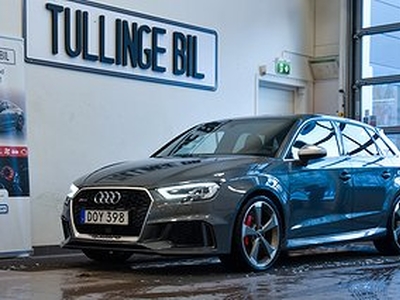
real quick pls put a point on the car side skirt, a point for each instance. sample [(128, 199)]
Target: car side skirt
[(368, 234)]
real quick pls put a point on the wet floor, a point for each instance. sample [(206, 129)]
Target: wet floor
[(356, 272)]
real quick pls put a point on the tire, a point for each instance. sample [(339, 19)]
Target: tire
[(390, 244), (257, 236), (111, 256)]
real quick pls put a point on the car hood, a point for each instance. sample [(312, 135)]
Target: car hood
[(155, 172)]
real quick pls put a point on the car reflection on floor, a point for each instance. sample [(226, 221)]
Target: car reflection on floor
[(356, 272)]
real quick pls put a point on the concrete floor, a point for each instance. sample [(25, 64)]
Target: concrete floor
[(356, 272)]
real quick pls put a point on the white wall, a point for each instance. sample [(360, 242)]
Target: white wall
[(327, 98), (79, 121)]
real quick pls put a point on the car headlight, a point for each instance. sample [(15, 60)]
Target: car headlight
[(190, 191), (73, 189)]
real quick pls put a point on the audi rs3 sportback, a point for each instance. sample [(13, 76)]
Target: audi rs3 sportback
[(244, 190)]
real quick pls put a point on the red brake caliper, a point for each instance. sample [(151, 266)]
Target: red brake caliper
[(248, 222)]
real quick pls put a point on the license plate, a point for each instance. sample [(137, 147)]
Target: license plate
[(105, 217)]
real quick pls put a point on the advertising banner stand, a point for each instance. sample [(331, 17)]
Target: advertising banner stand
[(15, 221)]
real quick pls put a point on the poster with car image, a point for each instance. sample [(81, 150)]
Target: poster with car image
[(14, 171), (12, 96)]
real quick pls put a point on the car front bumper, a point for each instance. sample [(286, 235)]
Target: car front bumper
[(168, 228)]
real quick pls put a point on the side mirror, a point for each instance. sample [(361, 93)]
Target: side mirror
[(309, 152)]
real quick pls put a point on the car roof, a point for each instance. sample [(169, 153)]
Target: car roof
[(300, 117), (295, 117)]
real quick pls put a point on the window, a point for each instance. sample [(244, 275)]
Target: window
[(252, 137), (318, 133), (385, 146), (201, 144), (248, 143), (380, 12), (357, 141), (376, 72)]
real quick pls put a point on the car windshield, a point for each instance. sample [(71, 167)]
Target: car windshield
[(249, 137)]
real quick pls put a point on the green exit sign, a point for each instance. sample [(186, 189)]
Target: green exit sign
[(282, 67)]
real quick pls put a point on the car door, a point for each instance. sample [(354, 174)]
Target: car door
[(321, 190), (371, 173)]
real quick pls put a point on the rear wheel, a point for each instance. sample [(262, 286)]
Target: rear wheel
[(390, 244), (115, 256), (257, 236)]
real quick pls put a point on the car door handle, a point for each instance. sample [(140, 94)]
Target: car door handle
[(345, 176), (386, 175)]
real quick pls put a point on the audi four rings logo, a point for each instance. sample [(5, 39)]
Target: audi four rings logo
[(108, 197)]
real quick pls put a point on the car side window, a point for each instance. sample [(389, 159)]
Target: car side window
[(318, 133), (381, 144), (357, 141)]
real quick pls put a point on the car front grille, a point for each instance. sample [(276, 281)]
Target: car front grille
[(136, 201)]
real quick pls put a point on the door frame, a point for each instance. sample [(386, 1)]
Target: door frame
[(298, 87)]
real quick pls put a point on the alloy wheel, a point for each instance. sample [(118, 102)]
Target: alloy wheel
[(260, 234)]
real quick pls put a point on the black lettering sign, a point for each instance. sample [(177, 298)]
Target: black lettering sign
[(78, 36), (157, 50), (144, 54), (55, 10), (134, 44), (102, 43), (130, 39), (129, 44), (86, 55), (184, 51)]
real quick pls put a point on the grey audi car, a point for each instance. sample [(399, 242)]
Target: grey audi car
[(244, 190)]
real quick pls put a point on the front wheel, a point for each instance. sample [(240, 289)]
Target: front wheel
[(257, 238), (113, 256), (390, 244)]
